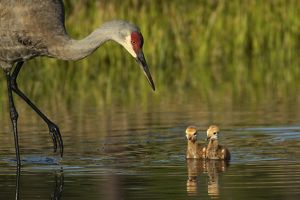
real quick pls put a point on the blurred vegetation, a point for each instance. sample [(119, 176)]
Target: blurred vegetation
[(212, 49)]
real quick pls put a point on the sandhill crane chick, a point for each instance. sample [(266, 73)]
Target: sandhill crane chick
[(214, 150), (194, 149)]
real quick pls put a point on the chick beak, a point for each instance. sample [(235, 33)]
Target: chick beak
[(143, 64)]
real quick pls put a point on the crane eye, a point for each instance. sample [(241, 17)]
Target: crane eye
[(133, 42), (215, 133)]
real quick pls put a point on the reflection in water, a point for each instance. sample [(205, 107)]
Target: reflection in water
[(17, 182), (58, 187), (196, 167), (113, 187)]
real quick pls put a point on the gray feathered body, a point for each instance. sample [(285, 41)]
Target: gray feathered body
[(30, 28), (27, 29)]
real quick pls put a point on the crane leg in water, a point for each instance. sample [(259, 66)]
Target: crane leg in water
[(13, 116), (53, 128)]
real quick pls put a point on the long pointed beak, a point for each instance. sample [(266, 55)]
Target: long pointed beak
[(143, 64)]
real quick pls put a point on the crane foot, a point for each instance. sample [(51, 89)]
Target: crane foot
[(56, 138)]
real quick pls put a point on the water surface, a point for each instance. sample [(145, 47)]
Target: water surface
[(138, 152)]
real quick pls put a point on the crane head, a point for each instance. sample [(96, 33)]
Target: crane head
[(137, 42), (133, 43)]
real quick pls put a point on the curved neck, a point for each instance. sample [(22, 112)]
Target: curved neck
[(191, 142), (213, 144), (67, 48)]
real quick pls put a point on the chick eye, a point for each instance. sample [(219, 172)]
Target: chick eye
[(215, 133)]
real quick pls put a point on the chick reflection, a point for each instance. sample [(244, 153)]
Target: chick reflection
[(212, 168)]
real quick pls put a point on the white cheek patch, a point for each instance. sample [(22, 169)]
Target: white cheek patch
[(127, 45), (214, 137)]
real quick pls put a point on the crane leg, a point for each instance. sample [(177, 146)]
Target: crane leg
[(53, 128), (13, 116)]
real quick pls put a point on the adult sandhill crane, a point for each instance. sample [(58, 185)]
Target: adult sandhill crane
[(32, 28)]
